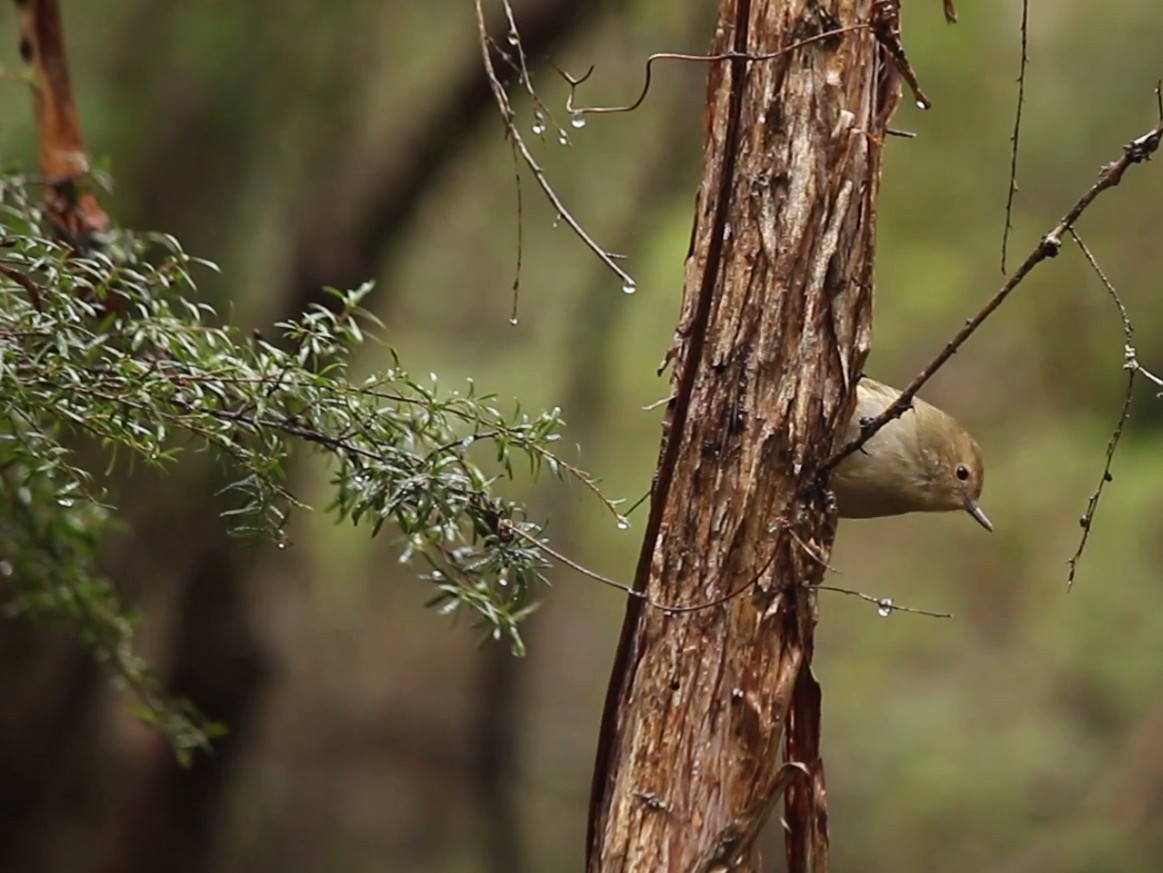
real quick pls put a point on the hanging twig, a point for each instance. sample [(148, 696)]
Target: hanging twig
[(508, 117), (1133, 368), (1014, 137)]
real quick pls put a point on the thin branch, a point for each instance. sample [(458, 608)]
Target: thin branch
[(886, 35), (575, 81), (521, 67), (520, 237), (1136, 151), (1133, 368), (508, 116), (885, 606), (1130, 353), (508, 529), (1014, 137)]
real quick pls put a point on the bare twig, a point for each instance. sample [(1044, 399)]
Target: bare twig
[(1133, 368), (575, 81), (1136, 151), (508, 117), (510, 529), (513, 319), (521, 67), (887, 32), (1130, 353), (1014, 137), (885, 606)]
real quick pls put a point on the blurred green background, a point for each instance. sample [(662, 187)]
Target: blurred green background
[(307, 143)]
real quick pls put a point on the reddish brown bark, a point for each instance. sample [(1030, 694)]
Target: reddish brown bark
[(75, 213), (775, 325)]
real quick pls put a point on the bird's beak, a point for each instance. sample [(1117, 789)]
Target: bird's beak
[(978, 515)]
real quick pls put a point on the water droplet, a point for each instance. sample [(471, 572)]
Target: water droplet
[(623, 523), (923, 104), (513, 320), (885, 607), (65, 502), (514, 37), (557, 220), (578, 121), (6, 568), (629, 287), (282, 545), (538, 123), (562, 138)]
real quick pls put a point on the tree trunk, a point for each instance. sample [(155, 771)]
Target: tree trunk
[(775, 327)]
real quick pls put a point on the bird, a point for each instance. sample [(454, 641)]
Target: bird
[(922, 461)]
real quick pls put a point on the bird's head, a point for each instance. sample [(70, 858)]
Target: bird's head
[(949, 469)]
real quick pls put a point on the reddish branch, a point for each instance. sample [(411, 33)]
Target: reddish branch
[(74, 212)]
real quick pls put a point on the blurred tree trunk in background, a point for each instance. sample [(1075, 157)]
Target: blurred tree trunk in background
[(174, 820), (51, 729), (775, 325)]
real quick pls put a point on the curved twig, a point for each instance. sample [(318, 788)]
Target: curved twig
[(574, 82), (1133, 368)]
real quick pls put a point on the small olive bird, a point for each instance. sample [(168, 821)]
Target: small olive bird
[(923, 461)]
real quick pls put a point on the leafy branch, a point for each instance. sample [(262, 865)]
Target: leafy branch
[(157, 375)]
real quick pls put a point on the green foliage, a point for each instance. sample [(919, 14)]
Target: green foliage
[(112, 348)]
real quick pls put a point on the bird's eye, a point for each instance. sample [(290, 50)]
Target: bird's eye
[(962, 472)]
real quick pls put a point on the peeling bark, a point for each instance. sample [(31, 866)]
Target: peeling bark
[(705, 705)]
